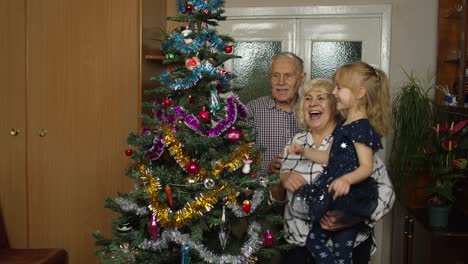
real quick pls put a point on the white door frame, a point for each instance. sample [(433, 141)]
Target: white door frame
[(382, 229), (383, 12)]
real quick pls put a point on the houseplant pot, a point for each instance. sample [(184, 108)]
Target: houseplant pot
[(438, 216), (412, 116)]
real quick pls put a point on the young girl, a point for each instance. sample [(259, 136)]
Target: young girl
[(361, 92)]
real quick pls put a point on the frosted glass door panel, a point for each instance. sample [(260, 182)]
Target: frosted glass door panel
[(251, 70), (257, 40), (327, 43), (329, 55)]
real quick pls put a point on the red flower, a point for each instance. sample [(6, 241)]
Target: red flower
[(459, 163), (449, 144), (458, 127), (429, 150)]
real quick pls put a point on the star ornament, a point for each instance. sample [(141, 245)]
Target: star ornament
[(343, 145)]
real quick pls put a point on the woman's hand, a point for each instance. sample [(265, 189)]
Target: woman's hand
[(340, 187), (295, 149), (331, 221), (292, 181)]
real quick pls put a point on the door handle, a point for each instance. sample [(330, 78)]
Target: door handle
[(42, 132), (14, 132)]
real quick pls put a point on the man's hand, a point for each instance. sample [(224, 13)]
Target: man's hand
[(292, 181), (275, 164), (331, 221), (278, 192)]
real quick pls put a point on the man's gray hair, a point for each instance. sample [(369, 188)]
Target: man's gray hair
[(290, 55)]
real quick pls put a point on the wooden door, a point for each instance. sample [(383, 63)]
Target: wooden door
[(83, 69), (13, 120)]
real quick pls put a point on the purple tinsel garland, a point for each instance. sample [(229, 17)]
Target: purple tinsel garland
[(233, 108), (156, 150), (232, 105)]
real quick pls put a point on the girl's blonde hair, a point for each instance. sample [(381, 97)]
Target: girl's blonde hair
[(376, 84), (320, 85)]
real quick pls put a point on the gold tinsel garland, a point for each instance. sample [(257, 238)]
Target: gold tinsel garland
[(175, 148), (201, 204), (235, 160)]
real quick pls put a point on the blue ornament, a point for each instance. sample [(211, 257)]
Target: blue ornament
[(184, 251), (214, 101)]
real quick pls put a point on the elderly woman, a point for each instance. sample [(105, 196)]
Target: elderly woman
[(317, 114)]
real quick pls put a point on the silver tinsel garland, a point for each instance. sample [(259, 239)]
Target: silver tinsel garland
[(251, 246), (128, 205), (257, 199)]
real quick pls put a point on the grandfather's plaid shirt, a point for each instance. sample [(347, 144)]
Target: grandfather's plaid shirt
[(275, 127), (296, 225)]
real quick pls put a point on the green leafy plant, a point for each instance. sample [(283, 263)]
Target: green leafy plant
[(447, 158), (412, 115)]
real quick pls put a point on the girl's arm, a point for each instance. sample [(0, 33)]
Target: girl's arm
[(317, 156), (342, 184)]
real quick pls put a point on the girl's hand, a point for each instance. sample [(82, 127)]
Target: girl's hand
[(340, 187), (295, 149)]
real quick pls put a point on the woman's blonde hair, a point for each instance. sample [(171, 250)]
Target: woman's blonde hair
[(320, 85), (376, 84)]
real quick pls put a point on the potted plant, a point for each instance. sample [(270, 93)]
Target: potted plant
[(447, 159), (412, 115)]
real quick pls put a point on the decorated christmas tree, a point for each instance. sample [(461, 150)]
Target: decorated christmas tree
[(197, 197)]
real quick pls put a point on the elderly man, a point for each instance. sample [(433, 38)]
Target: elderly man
[(273, 116)]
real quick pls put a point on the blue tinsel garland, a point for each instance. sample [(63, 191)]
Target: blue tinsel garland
[(197, 73), (199, 4), (205, 36)]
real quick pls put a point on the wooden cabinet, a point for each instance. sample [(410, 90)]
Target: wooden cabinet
[(69, 96), (13, 180), (452, 49), (425, 244)]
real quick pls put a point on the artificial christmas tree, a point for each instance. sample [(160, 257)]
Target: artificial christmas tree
[(197, 197)]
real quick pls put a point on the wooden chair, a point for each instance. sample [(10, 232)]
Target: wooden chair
[(28, 255)]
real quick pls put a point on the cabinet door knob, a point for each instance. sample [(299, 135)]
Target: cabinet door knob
[(42, 132), (14, 132)]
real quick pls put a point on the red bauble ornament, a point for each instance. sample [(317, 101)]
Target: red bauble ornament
[(204, 115), (192, 63), (268, 241), (206, 11), (128, 152), (167, 102), (188, 7), (222, 71), (246, 205), (193, 168), (228, 49), (234, 134), (153, 227)]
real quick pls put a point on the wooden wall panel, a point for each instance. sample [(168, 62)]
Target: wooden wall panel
[(83, 88), (13, 116)]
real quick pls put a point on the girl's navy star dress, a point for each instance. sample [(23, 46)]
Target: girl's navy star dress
[(361, 200)]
